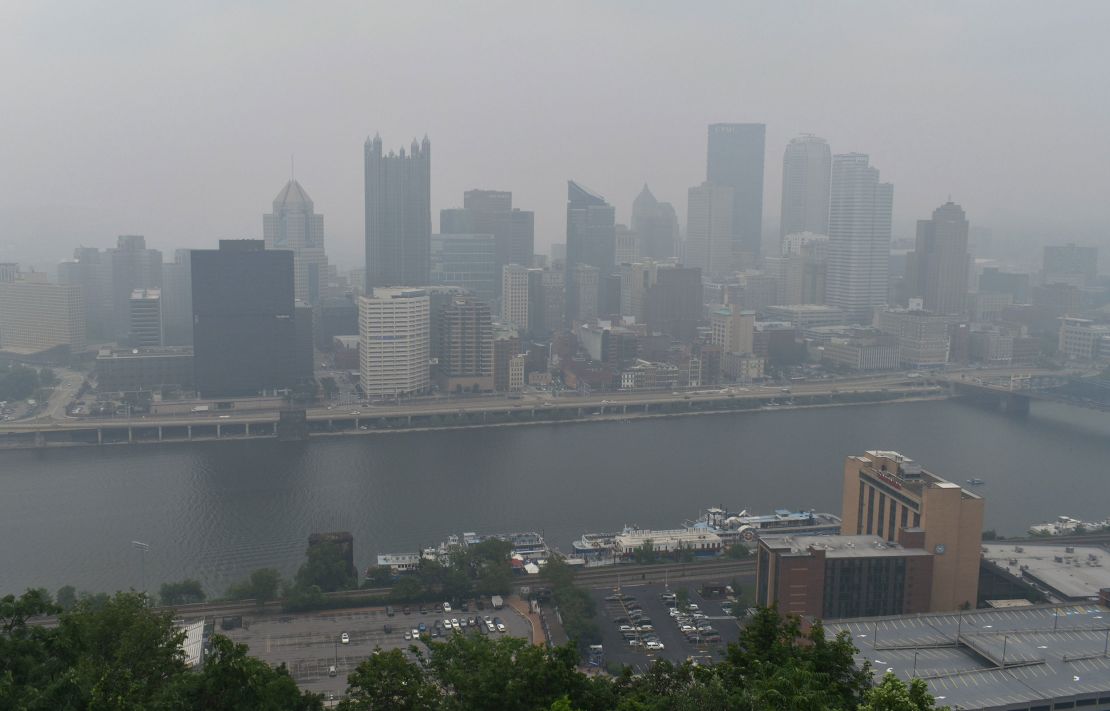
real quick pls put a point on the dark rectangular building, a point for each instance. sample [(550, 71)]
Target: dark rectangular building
[(674, 303), (244, 330), (833, 577)]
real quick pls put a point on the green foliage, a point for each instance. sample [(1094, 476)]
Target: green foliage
[(66, 597), (990, 535), (387, 680), (576, 607), (646, 553), (233, 681), (893, 695), (181, 593), (17, 382), (262, 586), (378, 577), (738, 551), (327, 568), (47, 378)]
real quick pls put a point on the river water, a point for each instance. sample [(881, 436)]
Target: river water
[(215, 511)]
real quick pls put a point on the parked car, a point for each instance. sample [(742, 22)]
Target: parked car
[(344, 638)]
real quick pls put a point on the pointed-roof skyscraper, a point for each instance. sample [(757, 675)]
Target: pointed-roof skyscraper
[(294, 225), (656, 225)]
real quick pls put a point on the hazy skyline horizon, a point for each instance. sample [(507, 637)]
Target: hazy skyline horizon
[(192, 143)]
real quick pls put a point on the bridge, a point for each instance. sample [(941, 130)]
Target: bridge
[(1014, 392)]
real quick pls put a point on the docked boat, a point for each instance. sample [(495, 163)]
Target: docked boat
[(975, 481), (733, 527), (1068, 526)]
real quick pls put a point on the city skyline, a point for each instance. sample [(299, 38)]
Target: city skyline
[(135, 166)]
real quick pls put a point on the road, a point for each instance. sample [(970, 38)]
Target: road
[(448, 405)]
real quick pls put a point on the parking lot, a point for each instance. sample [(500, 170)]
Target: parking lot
[(309, 644), (642, 606)]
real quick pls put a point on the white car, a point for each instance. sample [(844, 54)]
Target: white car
[(345, 638), (408, 635), (446, 607), (655, 646), (455, 623), (415, 634), (501, 627)]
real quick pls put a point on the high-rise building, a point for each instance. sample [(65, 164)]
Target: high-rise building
[(673, 303), (859, 237), (394, 349), (626, 245), (732, 329), (710, 239), (886, 493), (656, 224), (177, 300), (1070, 264), (133, 267), (8, 271), (37, 316), (145, 312), (294, 225), (806, 169), (492, 212), (923, 336), (465, 360), (244, 333), (514, 295), (591, 237), (585, 293), (802, 270), (398, 214), (466, 260), (552, 314), (735, 159), (506, 346), (91, 271), (937, 269)]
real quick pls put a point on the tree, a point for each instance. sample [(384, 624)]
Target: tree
[(646, 552), (234, 681), (387, 680), (262, 586), (380, 576), (738, 551), (407, 589), (66, 597), (118, 656), (47, 378), (185, 592), (326, 568), (893, 695)]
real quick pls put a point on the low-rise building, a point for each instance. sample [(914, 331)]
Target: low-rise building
[(923, 337), (667, 542), (805, 316), (1083, 339), (832, 577), (137, 369), (399, 562)]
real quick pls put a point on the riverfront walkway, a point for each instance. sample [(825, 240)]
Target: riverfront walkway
[(521, 608)]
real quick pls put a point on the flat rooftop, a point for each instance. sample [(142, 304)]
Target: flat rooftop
[(1073, 575), (1004, 659), (840, 546)]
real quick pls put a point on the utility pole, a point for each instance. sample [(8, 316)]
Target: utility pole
[(143, 549)]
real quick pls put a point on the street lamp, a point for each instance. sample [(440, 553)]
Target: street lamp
[(143, 549)]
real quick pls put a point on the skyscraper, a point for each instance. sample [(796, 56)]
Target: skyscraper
[(806, 169), (709, 233), (591, 240), (491, 212), (466, 260), (735, 159), (398, 214), (466, 346), (294, 225), (656, 225), (859, 237), (177, 300), (37, 316), (244, 334), (394, 333), (514, 295), (133, 267), (937, 269)]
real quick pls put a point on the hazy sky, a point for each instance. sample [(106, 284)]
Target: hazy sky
[(177, 120)]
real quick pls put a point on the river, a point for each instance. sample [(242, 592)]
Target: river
[(215, 511)]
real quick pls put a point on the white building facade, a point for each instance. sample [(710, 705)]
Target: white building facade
[(394, 342)]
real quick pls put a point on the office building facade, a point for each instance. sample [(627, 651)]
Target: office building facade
[(806, 171), (394, 342), (591, 241), (1070, 264), (710, 242), (37, 316), (244, 332), (938, 268), (465, 352), (294, 225), (397, 201), (859, 237), (515, 295), (886, 493), (656, 225), (468, 261), (735, 160), (145, 309)]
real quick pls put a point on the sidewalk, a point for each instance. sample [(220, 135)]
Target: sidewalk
[(521, 608)]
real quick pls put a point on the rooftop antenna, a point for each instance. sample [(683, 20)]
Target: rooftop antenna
[(292, 168)]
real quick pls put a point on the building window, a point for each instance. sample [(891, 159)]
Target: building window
[(870, 509)]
